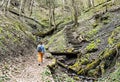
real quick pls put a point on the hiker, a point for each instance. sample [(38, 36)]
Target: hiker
[(41, 52)]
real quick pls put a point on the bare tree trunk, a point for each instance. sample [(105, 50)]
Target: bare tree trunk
[(92, 2), (89, 3), (51, 6), (113, 2), (23, 6), (53, 15), (20, 9), (31, 7), (3, 1), (75, 13), (106, 6), (50, 16), (7, 6)]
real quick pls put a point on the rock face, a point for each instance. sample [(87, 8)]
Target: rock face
[(97, 41)]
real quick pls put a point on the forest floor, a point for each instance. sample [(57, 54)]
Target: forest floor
[(27, 70)]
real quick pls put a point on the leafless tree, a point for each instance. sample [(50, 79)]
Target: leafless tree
[(75, 12)]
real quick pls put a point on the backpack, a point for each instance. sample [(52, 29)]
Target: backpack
[(39, 49)]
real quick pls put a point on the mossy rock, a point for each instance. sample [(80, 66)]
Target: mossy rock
[(57, 43), (95, 24), (89, 67), (91, 72), (76, 78), (76, 67), (109, 53), (105, 22), (84, 61), (91, 47)]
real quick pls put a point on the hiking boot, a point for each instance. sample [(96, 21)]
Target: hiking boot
[(38, 64)]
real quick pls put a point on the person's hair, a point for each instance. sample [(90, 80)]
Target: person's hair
[(41, 42)]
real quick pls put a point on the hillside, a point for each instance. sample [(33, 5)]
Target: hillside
[(82, 40)]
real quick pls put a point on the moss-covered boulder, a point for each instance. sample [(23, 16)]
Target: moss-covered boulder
[(57, 43)]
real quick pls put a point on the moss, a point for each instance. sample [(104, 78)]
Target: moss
[(113, 77), (118, 45), (92, 72), (110, 40), (1, 29), (109, 53), (87, 55), (76, 78), (57, 42), (89, 67), (91, 47), (98, 40), (105, 22), (76, 67), (54, 61), (95, 24), (92, 32), (84, 61), (102, 67)]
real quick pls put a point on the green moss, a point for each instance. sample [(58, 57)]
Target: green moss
[(87, 55), (109, 53), (76, 78), (92, 32), (118, 45), (57, 42), (98, 40), (84, 61), (89, 67), (95, 24), (92, 46), (105, 21), (70, 49), (102, 65), (113, 77), (1, 29), (111, 38), (76, 67), (92, 73)]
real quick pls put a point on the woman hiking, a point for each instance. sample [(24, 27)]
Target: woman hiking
[(41, 52)]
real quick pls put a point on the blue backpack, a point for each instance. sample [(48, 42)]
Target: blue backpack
[(39, 49)]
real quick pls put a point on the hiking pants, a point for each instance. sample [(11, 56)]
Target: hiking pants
[(40, 57)]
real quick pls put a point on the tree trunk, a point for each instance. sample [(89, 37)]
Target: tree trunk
[(89, 3), (2, 3), (20, 9), (31, 7), (50, 16), (75, 13)]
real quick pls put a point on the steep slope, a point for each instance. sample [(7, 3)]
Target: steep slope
[(16, 40), (98, 43)]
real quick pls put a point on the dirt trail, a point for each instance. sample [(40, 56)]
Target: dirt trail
[(31, 72)]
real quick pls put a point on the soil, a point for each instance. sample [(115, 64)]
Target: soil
[(26, 69)]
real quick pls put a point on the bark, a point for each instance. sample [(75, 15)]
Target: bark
[(2, 3), (89, 3), (75, 13), (31, 7), (20, 9), (51, 6)]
